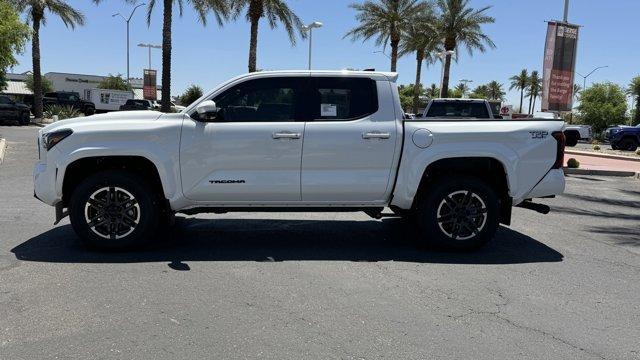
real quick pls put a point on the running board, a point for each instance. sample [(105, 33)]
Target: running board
[(541, 208)]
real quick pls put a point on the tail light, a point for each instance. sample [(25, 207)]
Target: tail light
[(561, 140)]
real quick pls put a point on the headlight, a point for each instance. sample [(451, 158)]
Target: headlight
[(50, 140)]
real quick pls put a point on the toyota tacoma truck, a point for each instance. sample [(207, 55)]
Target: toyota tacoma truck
[(623, 137), (296, 141)]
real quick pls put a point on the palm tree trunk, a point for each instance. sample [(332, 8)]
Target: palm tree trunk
[(637, 114), (37, 74), (255, 13), (533, 108), (416, 86), (521, 98), (166, 56), (253, 46), (530, 98), (444, 90), (394, 53)]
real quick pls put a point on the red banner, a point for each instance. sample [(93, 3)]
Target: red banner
[(149, 88), (559, 66)]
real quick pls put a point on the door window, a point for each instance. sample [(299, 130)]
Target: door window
[(342, 98), (261, 100)]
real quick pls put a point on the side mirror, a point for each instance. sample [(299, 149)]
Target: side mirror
[(207, 110)]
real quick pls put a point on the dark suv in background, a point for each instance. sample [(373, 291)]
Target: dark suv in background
[(138, 104), (13, 111), (623, 137), (64, 98)]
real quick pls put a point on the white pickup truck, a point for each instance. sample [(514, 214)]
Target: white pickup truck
[(296, 141)]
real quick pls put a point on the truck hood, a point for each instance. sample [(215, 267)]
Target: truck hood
[(113, 116)]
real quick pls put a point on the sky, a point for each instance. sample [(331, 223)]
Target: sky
[(207, 56)]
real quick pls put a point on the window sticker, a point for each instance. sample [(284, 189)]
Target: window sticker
[(330, 110)]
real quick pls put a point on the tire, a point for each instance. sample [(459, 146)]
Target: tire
[(628, 144), (478, 208), (572, 138), (126, 224), (89, 111), (24, 118)]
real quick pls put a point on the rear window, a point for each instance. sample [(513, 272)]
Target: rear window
[(342, 98), (458, 109)]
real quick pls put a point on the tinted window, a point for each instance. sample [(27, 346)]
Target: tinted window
[(261, 100), (458, 109), (342, 98)]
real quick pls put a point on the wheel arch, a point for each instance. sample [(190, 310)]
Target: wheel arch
[(488, 169), (81, 168)]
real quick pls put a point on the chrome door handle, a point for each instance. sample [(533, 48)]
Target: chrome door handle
[(375, 135), (285, 135)]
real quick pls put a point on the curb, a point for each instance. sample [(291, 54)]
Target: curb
[(3, 146), (38, 124), (606, 156), (571, 171)]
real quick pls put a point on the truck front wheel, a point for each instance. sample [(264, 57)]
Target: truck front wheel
[(458, 214), (113, 210)]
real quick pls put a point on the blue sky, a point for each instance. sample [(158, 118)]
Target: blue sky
[(209, 55)]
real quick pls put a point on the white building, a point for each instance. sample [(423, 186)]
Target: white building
[(80, 83)]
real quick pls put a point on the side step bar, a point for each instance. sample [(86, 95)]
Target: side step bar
[(541, 208)]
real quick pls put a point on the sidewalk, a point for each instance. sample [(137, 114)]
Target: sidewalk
[(600, 163)]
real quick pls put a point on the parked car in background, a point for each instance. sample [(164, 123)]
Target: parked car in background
[(108, 99), (65, 98), (623, 137), (574, 133), (297, 141), (138, 104), (479, 109), (11, 110)]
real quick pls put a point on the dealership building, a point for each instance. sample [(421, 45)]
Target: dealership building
[(80, 83)]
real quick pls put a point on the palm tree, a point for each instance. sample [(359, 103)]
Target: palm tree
[(385, 20), (534, 90), (480, 92), (634, 91), (432, 91), (36, 11), (494, 90), (220, 10), (459, 24), (520, 82), (462, 89), (275, 11), (419, 38)]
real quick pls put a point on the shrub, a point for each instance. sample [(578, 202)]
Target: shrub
[(596, 147), (595, 142), (638, 152), (63, 112), (573, 163), (193, 93)]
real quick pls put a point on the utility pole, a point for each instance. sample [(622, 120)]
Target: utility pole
[(127, 20), (566, 11)]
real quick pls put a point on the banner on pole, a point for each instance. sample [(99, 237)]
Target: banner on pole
[(559, 67), (149, 88)]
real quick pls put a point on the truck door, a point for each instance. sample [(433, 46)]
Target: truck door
[(350, 143), (252, 151)]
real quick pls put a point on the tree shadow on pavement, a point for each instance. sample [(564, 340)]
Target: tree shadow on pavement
[(623, 235), (286, 240)]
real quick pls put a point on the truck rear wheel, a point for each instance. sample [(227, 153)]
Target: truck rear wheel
[(458, 214), (628, 143), (113, 210), (89, 111), (572, 137)]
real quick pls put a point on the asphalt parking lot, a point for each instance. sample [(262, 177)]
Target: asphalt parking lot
[(280, 286)]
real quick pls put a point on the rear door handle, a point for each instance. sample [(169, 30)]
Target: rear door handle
[(285, 135), (375, 135)]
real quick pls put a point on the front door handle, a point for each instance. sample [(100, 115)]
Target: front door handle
[(375, 135), (285, 135)]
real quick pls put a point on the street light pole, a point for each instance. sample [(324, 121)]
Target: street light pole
[(566, 11), (310, 27), (150, 46), (127, 20), (584, 77)]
